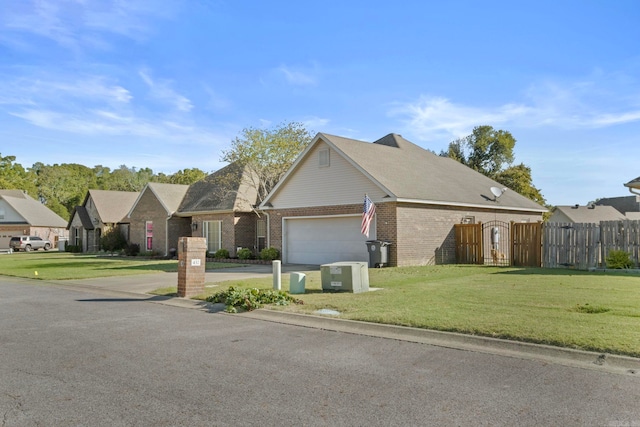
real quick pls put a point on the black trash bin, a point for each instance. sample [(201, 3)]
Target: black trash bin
[(378, 253)]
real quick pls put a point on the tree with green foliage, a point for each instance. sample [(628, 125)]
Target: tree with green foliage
[(268, 153), (63, 185), (486, 150), (490, 152), (186, 176), (14, 177)]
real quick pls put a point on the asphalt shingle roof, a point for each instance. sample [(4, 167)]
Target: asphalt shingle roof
[(410, 172), (35, 213), (224, 190), (113, 206), (634, 183), (593, 214), (170, 195)]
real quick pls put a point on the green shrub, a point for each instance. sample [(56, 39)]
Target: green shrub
[(113, 240), (269, 254), (245, 253), (132, 249), (221, 253), (619, 259), (250, 299), (72, 248)]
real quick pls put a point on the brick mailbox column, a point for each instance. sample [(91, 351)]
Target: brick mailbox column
[(191, 263)]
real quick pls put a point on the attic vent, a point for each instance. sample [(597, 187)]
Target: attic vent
[(323, 158)]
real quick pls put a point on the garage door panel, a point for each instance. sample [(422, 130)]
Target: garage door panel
[(325, 240)]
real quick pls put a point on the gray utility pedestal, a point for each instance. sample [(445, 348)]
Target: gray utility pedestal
[(349, 276), (378, 253)]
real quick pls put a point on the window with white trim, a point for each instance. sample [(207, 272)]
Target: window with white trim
[(212, 232), (323, 157)]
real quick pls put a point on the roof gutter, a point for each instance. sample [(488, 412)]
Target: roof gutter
[(634, 190), (188, 214), (464, 205)]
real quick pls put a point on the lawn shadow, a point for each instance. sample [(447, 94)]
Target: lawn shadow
[(532, 271)]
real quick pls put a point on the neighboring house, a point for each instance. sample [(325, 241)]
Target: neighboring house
[(624, 204), (100, 211), (153, 223), (315, 211), (21, 214), (634, 185), (591, 214), (221, 208)]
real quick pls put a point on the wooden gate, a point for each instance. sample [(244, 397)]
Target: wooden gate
[(468, 243), (499, 243), (526, 244)]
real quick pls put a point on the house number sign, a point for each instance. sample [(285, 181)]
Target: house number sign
[(195, 262)]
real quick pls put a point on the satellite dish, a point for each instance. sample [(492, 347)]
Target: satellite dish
[(497, 192)]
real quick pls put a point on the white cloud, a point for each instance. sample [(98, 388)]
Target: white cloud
[(437, 117), (315, 123), (162, 91), (298, 77), (77, 24), (581, 105)]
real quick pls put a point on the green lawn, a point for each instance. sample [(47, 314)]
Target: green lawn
[(63, 265), (590, 311)]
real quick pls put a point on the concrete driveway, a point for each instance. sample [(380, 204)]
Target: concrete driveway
[(145, 283)]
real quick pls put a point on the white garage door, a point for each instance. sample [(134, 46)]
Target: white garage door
[(325, 240)]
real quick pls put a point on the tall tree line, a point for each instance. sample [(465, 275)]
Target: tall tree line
[(62, 187)]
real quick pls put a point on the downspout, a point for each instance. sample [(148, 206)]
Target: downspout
[(268, 245), (166, 236), (635, 191)]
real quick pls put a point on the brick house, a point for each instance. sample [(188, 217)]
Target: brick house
[(100, 211), (20, 214), (221, 208), (153, 223), (315, 211)]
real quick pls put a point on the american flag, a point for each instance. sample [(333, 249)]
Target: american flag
[(367, 215)]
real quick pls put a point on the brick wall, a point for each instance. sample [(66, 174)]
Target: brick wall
[(419, 234), (149, 209), (426, 236)]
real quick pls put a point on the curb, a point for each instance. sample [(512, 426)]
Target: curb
[(604, 362), (557, 355)]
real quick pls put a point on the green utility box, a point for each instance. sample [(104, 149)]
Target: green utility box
[(350, 276), (297, 283)]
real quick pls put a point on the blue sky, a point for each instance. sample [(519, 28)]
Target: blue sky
[(168, 84)]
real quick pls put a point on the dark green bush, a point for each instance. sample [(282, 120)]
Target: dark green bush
[(269, 254), (113, 240), (73, 248), (619, 259), (221, 253), (132, 249), (245, 253)]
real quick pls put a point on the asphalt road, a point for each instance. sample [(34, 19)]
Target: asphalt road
[(91, 358)]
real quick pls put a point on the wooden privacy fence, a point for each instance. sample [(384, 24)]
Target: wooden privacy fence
[(571, 245), (576, 245), (583, 246)]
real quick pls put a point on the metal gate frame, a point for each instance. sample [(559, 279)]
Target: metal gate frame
[(496, 239)]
